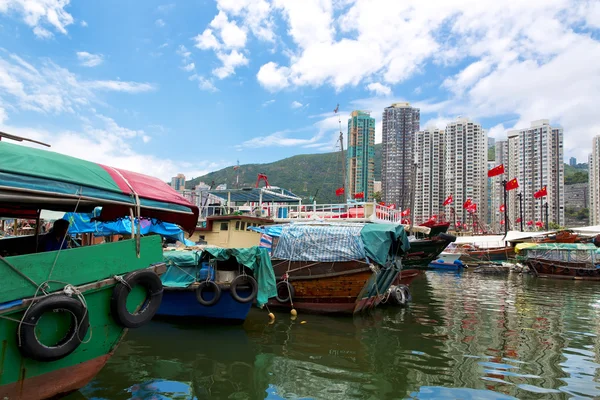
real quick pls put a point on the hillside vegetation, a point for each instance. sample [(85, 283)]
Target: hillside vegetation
[(308, 175)]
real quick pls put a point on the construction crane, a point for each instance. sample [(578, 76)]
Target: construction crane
[(262, 177)]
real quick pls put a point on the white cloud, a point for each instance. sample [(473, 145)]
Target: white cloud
[(89, 60), (189, 67), (37, 13), (3, 115), (207, 40), (255, 15), (83, 24), (184, 52), (232, 35), (268, 103), (379, 89), (273, 77), (203, 83), (121, 86), (230, 62), (162, 46), (160, 23), (165, 8), (296, 104)]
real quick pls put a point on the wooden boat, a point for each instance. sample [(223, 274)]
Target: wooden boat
[(436, 227), (562, 260), (478, 256), (323, 268), (64, 312), (424, 251), (561, 237)]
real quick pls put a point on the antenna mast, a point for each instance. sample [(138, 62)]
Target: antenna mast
[(341, 139)]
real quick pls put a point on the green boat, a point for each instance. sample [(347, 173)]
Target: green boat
[(64, 312)]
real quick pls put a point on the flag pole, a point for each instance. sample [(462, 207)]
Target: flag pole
[(521, 209), (504, 182)]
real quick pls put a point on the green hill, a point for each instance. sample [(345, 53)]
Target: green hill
[(320, 174), (305, 175)]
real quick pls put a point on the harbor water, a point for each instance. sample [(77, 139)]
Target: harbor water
[(465, 336)]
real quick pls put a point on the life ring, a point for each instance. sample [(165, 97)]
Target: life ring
[(243, 280), (118, 302), (207, 285), (32, 348), (285, 292)]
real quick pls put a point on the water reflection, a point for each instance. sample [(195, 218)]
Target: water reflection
[(465, 336)]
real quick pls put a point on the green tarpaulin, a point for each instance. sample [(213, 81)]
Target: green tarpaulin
[(383, 240), (255, 258)]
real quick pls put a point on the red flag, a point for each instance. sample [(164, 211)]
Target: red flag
[(465, 226), (502, 208), (512, 184), (472, 208), (467, 203), (518, 219), (499, 170), (406, 221), (448, 200), (392, 206), (382, 203), (360, 195), (529, 223), (539, 224), (405, 212), (541, 193), (502, 222), (339, 191)]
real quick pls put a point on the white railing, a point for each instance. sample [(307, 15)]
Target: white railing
[(359, 211)]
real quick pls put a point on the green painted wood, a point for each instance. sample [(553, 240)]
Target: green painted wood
[(103, 336), (30, 161), (77, 266)]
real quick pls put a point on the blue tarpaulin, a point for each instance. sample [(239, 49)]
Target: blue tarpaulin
[(82, 223)]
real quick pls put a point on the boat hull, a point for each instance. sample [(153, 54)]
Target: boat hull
[(406, 276), (424, 251), (484, 256), (333, 288), (183, 303), (563, 270)]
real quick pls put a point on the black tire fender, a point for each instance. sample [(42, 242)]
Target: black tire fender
[(205, 285), (118, 303), (447, 236), (407, 293), (31, 347), (285, 292), (243, 280)]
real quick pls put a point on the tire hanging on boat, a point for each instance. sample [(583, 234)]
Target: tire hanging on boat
[(243, 280), (398, 295), (407, 293), (204, 286), (285, 292), (31, 347), (150, 281)]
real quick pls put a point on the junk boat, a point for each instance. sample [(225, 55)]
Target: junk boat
[(64, 312), (216, 283), (335, 268), (561, 260)]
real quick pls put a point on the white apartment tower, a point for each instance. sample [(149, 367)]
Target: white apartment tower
[(400, 123), (466, 167), (536, 160), (429, 185), (594, 181)]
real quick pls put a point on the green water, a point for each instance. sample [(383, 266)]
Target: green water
[(464, 337)]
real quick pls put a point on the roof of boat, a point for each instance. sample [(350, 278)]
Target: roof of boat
[(266, 195), (49, 180)]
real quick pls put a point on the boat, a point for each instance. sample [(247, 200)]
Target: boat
[(216, 283), (561, 260), (473, 255), (447, 260), (424, 251), (436, 227), (335, 268), (102, 290)]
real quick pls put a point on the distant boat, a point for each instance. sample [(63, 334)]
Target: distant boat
[(561, 260)]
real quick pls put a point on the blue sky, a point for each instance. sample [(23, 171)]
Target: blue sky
[(164, 87)]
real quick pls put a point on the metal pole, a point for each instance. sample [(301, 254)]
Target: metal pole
[(546, 211), (412, 197), (504, 182), (521, 209)]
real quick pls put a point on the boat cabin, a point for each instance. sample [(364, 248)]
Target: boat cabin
[(230, 230)]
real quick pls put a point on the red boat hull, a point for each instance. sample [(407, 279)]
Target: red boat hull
[(563, 270)]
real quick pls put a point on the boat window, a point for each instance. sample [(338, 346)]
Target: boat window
[(237, 225), (224, 226), (243, 225)]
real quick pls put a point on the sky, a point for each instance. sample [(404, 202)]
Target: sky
[(167, 87)]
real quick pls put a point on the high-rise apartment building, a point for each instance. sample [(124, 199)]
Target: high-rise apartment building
[(361, 154), (429, 185), (594, 181), (178, 182), (465, 173), (536, 160), (496, 189), (400, 123), (572, 161)]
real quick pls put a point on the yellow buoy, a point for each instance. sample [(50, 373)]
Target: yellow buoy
[(293, 317), (293, 312), (303, 322), (271, 315)]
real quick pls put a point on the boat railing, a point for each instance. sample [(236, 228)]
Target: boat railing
[(354, 211)]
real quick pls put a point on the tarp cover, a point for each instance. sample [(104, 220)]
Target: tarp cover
[(566, 252), (383, 240), (255, 258), (82, 223), (325, 243)]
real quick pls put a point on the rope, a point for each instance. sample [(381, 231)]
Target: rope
[(123, 281), (138, 209)]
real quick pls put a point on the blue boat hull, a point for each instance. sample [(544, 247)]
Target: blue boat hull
[(445, 266), (183, 303)]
